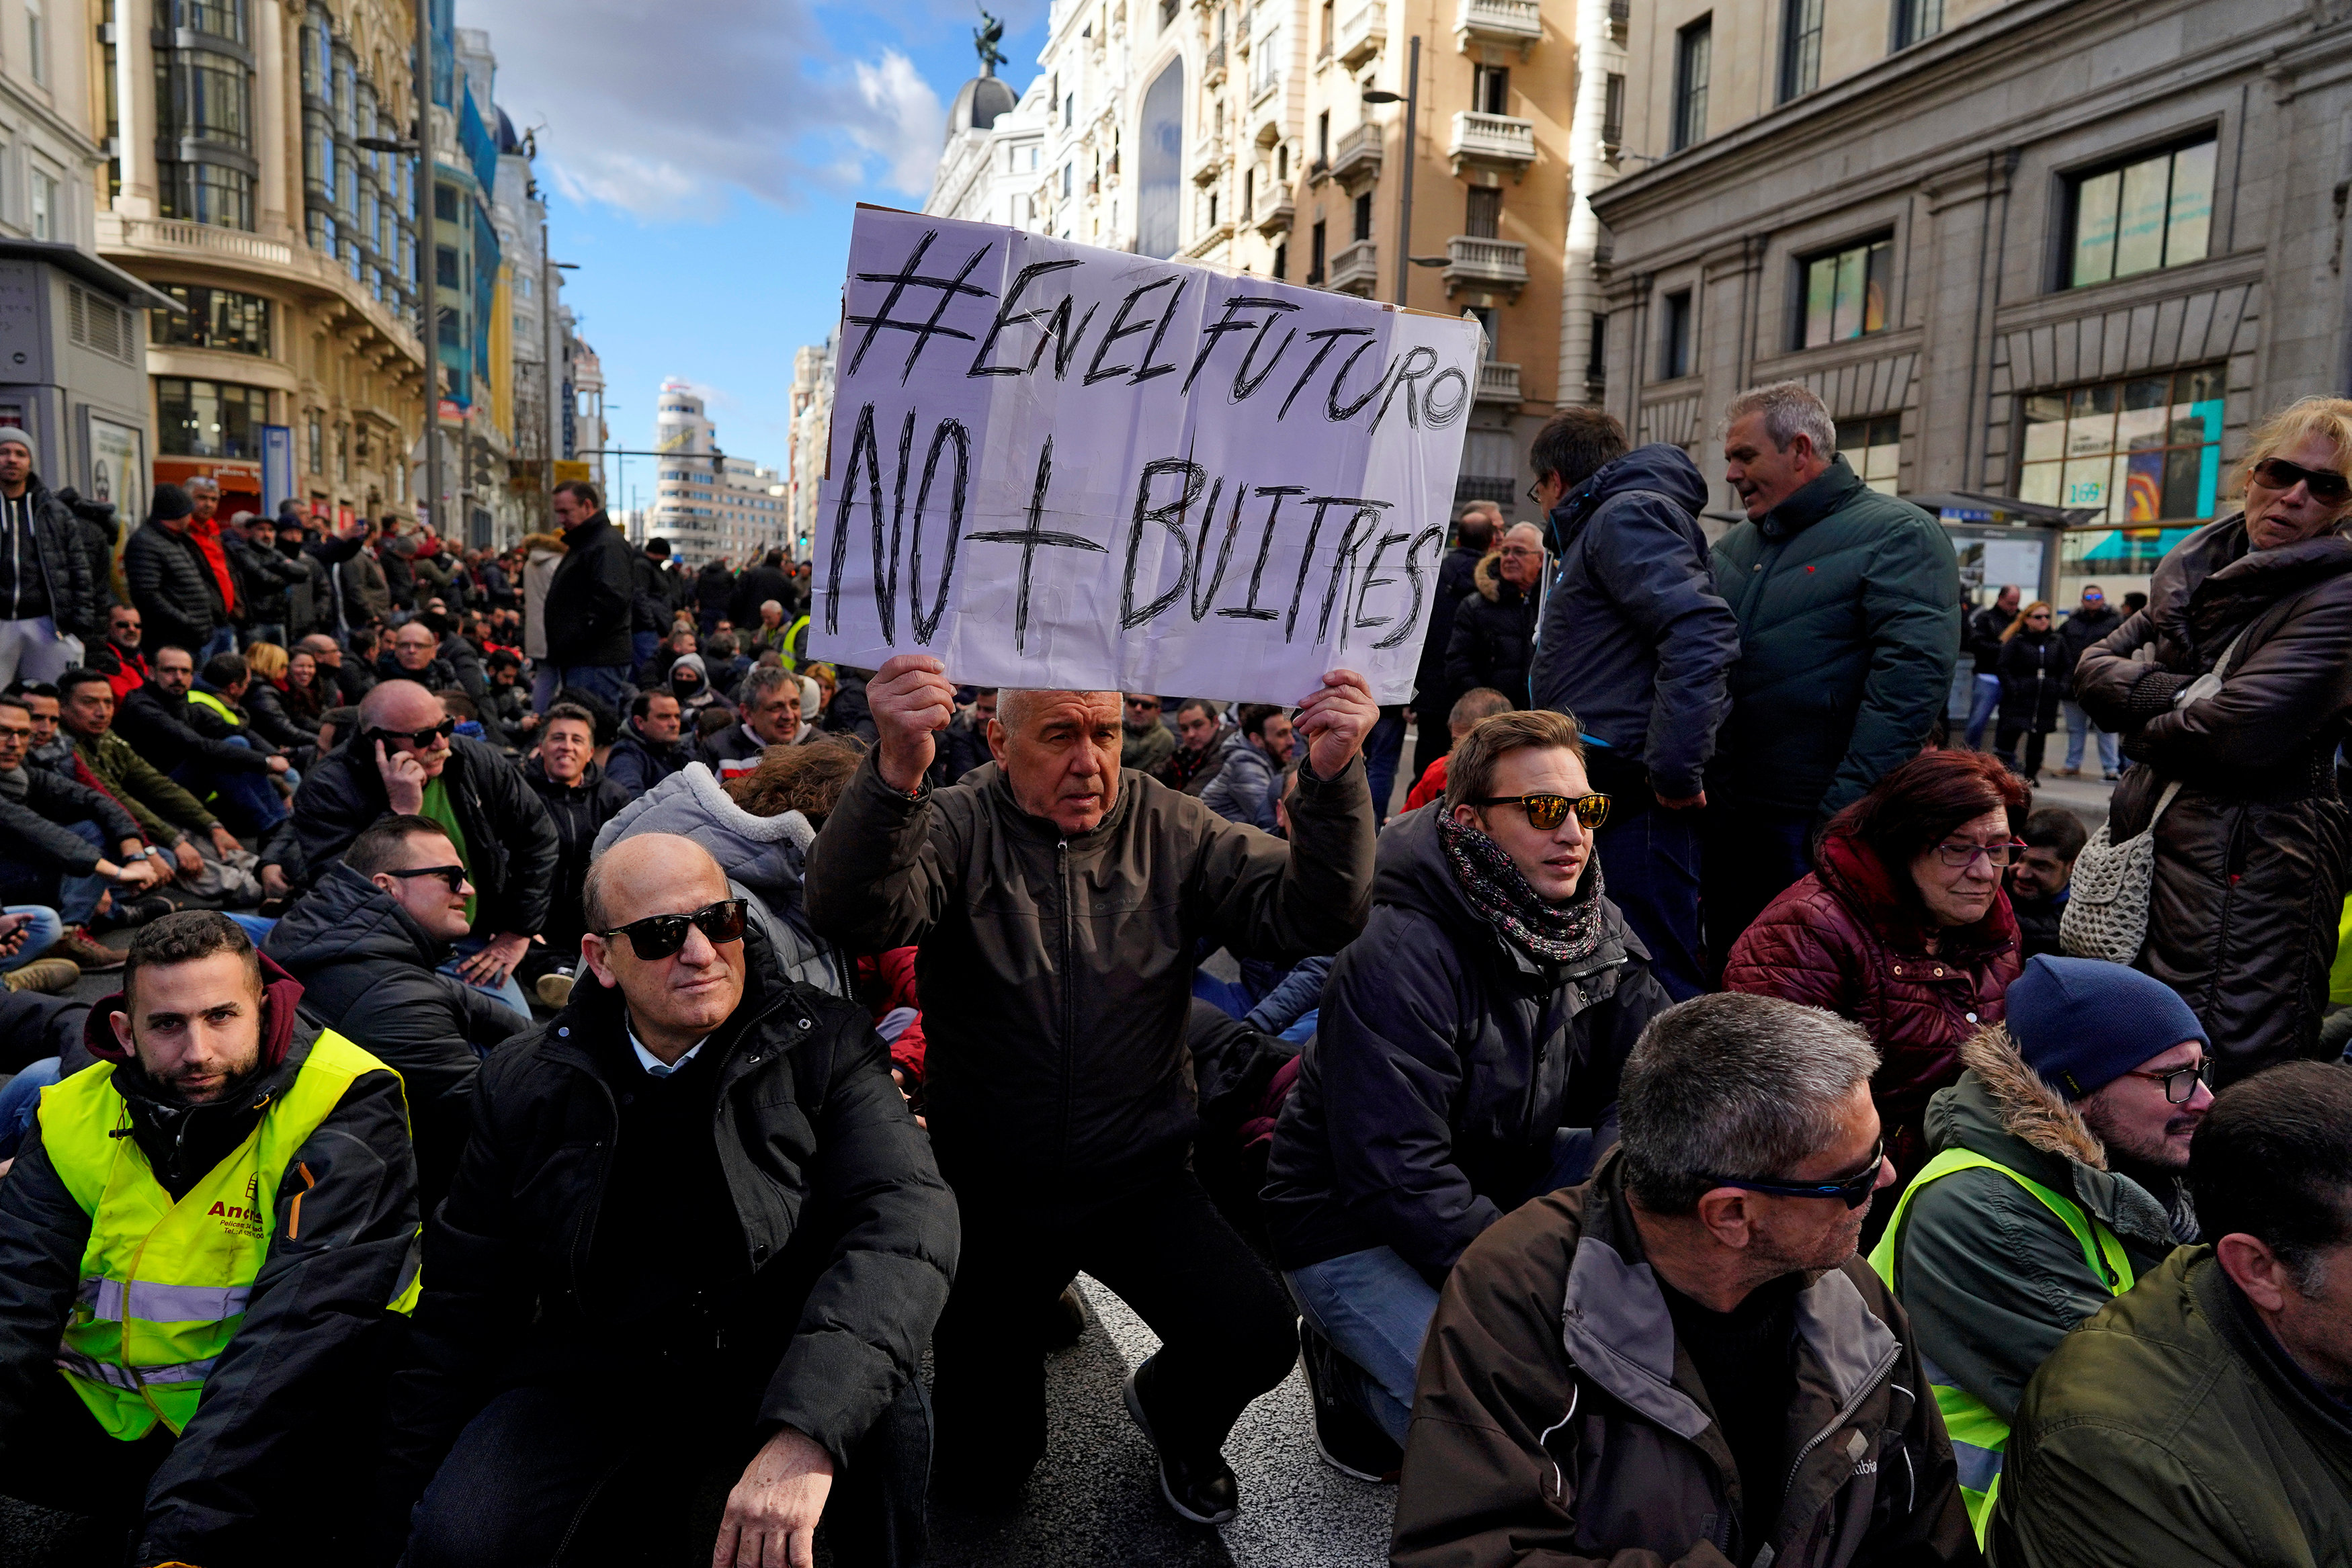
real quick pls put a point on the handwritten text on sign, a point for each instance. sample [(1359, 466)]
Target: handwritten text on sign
[(1057, 465)]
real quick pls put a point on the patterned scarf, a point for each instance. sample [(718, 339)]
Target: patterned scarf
[(1560, 933)]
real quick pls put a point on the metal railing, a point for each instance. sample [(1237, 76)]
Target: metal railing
[(1355, 269), (1512, 21)]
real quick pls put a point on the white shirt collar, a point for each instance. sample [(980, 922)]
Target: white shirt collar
[(654, 1065)]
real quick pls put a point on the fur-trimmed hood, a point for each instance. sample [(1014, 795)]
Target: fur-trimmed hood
[(1489, 575), (2030, 1109)]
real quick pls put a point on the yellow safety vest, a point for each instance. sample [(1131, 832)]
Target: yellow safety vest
[(218, 707), (165, 1285), (795, 644), (1978, 1437)]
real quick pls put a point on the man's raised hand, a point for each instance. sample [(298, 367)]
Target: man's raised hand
[(1335, 719), (912, 699)]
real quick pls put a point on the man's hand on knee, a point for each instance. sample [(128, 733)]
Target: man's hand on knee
[(772, 1514)]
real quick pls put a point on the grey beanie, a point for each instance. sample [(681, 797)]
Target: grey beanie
[(11, 432)]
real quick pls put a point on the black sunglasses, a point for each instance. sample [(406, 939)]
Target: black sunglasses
[(419, 740), (1853, 1191), (659, 935), (455, 875), (2324, 483), (1545, 813)]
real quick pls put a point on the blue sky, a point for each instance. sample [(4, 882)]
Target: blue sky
[(703, 160)]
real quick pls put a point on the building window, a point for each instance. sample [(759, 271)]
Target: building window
[(206, 193), (444, 203), (2151, 212), (315, 445), (1801, 48), (1281, 262), (2143, 450), (221, 19), (1363, 230), (1482, 218), (1323, 137), (1916, 19), (1316, 253), (445, 266), (1847, 293), (45, 224), (450, 323), (37, 43), (1693, 59), (1490, 461), (1612, 109), (1265, 60), (214, 319), (1874, 449), (1596, 358), (208, 418), (207, 97), (1674, 335), (1490, 89)]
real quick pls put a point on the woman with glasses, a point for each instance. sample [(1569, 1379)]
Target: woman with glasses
[(2032, 672), (2250, 831), (1905, 927)]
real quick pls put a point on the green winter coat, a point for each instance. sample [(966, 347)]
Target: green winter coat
[(2169, 1431), (1849, 611)]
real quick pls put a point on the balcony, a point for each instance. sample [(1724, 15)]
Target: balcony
[(1361, 32), (1485, 264), (1213, 239), (1516, 21), (1492, 141), (1208, 161), (1213, 70), (1275, 211), (1620, 17), (1355, 269), (1356, 162), (1498, 383)]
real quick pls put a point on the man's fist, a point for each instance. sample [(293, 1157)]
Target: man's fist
[(1335, 720), (911, 698)]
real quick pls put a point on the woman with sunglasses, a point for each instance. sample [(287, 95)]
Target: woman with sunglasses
[(2253, 839), (1903, 926), (2032, 672), (1470, 1043)]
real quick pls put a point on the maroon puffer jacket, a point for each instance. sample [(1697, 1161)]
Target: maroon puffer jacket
[(1842, 940)]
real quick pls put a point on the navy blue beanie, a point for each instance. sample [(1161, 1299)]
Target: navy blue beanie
[(2082, 1023)]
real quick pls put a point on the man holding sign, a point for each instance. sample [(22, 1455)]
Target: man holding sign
[(1060, 902)]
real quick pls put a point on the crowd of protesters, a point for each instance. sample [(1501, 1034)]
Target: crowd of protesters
[(576, 1057)]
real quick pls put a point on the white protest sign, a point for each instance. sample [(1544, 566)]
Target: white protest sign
[(1053, 465)]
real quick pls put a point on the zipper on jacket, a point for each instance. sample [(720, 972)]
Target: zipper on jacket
[(1870, 1384)]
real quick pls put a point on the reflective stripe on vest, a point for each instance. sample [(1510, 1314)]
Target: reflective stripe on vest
[(164, 1283), (1980, 1437), (218, 707)]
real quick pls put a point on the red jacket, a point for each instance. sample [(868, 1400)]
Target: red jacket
[(886, 982), (206, 534), (1841, 940), (1431, 786)]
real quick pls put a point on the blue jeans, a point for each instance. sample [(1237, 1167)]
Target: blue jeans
[(1650, 857), (1382, 749), (246, 801), (1982, 701), (20, 1104), (74, 898), (642, 646), (222, 641), (543, 683), (41, 933), (608, 682), (509, 993), (1374, 1308), (2077, 723)]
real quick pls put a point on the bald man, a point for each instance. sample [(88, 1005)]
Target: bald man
[(1059, 901), (696, 1240), (404, 758)]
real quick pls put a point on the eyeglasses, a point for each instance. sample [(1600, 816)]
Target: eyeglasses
[(455, 875), (2180, 1083), (1545, 813), (1853, 1191), (1959, 855), (1532, 497), (1521, 550), (416, 739), (659, 935), (2324, 483)]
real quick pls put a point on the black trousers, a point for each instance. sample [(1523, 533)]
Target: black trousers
[(1751, 855), (2036, 740), (573, 1477), (1227, 1330)]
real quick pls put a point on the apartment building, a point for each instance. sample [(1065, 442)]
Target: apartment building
[(707, 503), (2047, 260)]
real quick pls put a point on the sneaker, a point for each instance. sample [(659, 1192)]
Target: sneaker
[(1202, 1490), (554, 989), (85, 950), (2070, 773), (1066, 1319), (2111, 778), (1350, 1442), (52, 974)]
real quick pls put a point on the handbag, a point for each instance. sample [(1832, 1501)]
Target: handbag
[(2106, 904)]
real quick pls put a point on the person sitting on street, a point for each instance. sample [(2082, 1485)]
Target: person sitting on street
[(2056, 1183), (580, 798), (414, 654), (56, 835), (1246, 788), (1201, 740), (747, 1272), (2206, 1417), (405, 758), (166, 813), (231, 773), (1145, 741), (1466, 1059), (505, 701), (120, 658), (1683, 1361), (648, 749), (367, 943), (1477, 704), (201, 1247), (769, 716), (347, 680), (281, 712), (1059, 903), (2039, 882)]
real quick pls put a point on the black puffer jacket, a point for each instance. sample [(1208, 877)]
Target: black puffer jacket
[(76, 583), (579, 813), (34, 826), (1433, 693), (1445, 1060), (818, 1151), (263, 578), (592, 599), (509, 842), (160, 726), (171, 588), (2031, 675), (2251, 857), (371, 972), (1493, 636), (2078, 631)]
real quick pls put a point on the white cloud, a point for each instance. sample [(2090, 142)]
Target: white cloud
[(661, 110)]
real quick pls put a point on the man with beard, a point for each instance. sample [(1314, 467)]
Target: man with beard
[(1683, 1361), (120, 658), (2056, 1183)]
